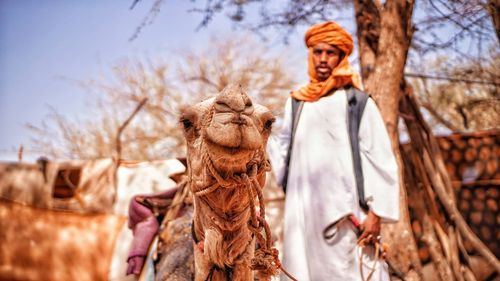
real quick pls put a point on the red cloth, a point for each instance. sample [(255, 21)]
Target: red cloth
[(144, 225)]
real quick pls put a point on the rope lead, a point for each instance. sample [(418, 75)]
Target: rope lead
[(266, 260)]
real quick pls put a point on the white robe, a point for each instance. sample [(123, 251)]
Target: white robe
[(321, 187)]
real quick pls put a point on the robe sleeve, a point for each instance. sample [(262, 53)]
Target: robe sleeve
[(379, 165), (277, 145)]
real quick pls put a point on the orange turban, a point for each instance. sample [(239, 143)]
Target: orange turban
[(331, 33)]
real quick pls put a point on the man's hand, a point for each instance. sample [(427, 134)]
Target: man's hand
[(370, 229)]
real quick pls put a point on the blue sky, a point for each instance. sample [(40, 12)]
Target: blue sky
[(44, 45)]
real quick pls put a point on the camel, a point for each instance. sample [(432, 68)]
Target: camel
[(226, 139)]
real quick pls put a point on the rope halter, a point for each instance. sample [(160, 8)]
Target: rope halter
[(266, 259)]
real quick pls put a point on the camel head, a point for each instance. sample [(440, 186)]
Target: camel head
[(228, 130)]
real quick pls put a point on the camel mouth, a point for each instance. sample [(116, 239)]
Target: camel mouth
[(229, 160), (230, 151)]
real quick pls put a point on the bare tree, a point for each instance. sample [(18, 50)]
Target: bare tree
[(443, 24), (384, 53), (242, 62), (471, 101), (153, 133)]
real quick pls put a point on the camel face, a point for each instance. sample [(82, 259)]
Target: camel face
[(229, 128)]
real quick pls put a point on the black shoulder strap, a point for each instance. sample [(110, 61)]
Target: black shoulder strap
[(356, 102), (296, 109)]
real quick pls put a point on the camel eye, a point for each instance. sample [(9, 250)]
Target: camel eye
[(187, 124), (188, 119), (269, 124)]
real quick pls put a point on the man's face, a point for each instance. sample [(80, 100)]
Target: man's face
[(325, 58)]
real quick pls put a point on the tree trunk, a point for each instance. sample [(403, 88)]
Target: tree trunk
[(494, 10), (384, 36)]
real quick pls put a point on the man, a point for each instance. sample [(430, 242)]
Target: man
[(321, 186)]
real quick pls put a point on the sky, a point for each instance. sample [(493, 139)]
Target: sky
[(45, 46)]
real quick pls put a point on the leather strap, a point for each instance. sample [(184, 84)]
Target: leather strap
[(356, 102), (296, 110)]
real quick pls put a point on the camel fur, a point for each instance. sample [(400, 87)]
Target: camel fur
[(226, 139)]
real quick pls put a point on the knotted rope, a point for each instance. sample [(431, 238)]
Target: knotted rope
[(380, 253), (266, 260)]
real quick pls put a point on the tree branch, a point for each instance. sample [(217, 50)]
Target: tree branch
[(124, 125), (452, 79)]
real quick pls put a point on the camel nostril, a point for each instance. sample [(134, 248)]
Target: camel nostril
[(239, 121), (221, 106)]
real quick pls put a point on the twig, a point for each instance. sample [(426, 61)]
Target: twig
[(453, 79), (204, 80), (20, 153), (133, 4), (124, 125), (148, 19)]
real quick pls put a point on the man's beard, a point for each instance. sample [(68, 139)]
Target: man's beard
[(324, 74)]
